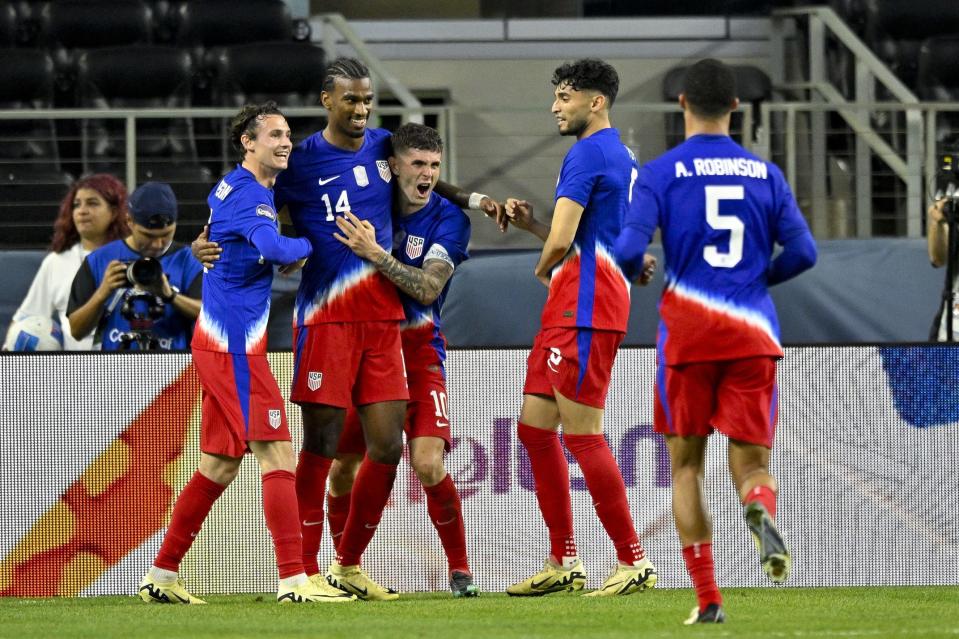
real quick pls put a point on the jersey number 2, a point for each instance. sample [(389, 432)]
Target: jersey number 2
[(731, 223), (342, 204)]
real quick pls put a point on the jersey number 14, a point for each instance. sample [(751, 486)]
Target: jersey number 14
[(720, 222), (342, 204)]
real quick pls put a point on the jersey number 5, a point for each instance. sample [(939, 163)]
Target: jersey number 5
[(342, 204), (731, 223)]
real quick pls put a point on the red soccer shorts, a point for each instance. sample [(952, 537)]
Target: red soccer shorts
[(577, 362), (427, 414), (348, 364), (736, 397), (241, 402)]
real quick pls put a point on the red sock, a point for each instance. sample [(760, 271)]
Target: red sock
[(605, 484), (191, 508), (446, 513), (371, 490), (337, 511), (551, 475), (699, 565), (311, 475), (280, 509), (765, 496)]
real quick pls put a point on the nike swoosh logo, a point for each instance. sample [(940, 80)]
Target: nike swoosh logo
[(449, 521), (373, 527), (312, 523), (327, 180), (441, 424)]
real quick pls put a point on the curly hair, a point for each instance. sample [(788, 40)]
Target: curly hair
[(112, 190), (346, 68), (247, 122), (710, 88), (416, 136), (589, 74)]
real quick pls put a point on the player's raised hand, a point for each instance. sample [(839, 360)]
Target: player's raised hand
[(205, 251), (359, 235), (519, 213), (495, 211), (649, 269)]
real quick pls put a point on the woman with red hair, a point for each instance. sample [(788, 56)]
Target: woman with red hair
[(93, 212)]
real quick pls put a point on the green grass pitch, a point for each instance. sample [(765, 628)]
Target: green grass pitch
[(752, 612)]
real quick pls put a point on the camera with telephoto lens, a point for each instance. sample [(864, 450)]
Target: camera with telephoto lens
[(142, 308), (144, 272)]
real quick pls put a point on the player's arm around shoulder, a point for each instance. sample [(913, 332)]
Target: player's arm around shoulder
[(422, 284)]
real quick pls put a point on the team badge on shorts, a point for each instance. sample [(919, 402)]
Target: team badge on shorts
[(555, 358), (359, 172), (384, 168), (276, 418), (414, 247), (314, 380)]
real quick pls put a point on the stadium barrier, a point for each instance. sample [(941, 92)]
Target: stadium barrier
[(95, 448)]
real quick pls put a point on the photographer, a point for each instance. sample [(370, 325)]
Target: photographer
[(130, 290)]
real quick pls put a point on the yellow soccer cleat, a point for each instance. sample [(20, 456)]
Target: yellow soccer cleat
[(626, 580), (313, 592), (353, 580), (552, 578), (166, 592)]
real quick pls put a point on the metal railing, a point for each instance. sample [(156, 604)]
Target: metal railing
[(868, 71)]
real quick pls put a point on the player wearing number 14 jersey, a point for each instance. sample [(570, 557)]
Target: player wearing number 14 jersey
[(720, 210)]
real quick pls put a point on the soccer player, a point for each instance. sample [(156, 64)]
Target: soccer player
[(242, 406), (583, 323), (435, 234), (347, 347), (720, 210)]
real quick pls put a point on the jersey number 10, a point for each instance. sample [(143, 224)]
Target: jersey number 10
[(731, 223)]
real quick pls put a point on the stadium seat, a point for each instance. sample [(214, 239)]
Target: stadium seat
[(291, 73), (29, 201), (752, 85), (213, 23), (137, 77), (896, 28), (8, 25), (87, 24), (26, 82)]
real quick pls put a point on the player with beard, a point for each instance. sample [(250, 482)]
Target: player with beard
[(583, 323)]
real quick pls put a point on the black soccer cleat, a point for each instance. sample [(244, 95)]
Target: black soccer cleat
[(712, 614), (773, 554)]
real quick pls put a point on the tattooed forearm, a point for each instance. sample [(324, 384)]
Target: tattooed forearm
[(422, 284)]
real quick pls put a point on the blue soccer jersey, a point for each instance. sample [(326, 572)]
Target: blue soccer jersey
[(172, 329), (322, 182), (236, 291), (720, 209), (438, 231), (588, 288)]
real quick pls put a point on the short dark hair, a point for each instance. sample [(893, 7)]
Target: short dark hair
[(247, 122), (347, 68), (589, 74), (710, 88), (416, 136)]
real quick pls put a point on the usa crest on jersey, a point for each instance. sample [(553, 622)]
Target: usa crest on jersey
[(414, 246), (276, 418), (314, 380), (384, 168)]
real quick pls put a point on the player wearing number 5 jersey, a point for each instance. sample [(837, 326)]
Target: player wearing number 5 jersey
[(720, 210), (583, 323)]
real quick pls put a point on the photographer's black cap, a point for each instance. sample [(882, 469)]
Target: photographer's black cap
[(153, 205)]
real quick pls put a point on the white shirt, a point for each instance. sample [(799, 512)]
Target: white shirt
[(50, 292)]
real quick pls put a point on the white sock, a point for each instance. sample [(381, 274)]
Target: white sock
[(161, 575), (294, 581)]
